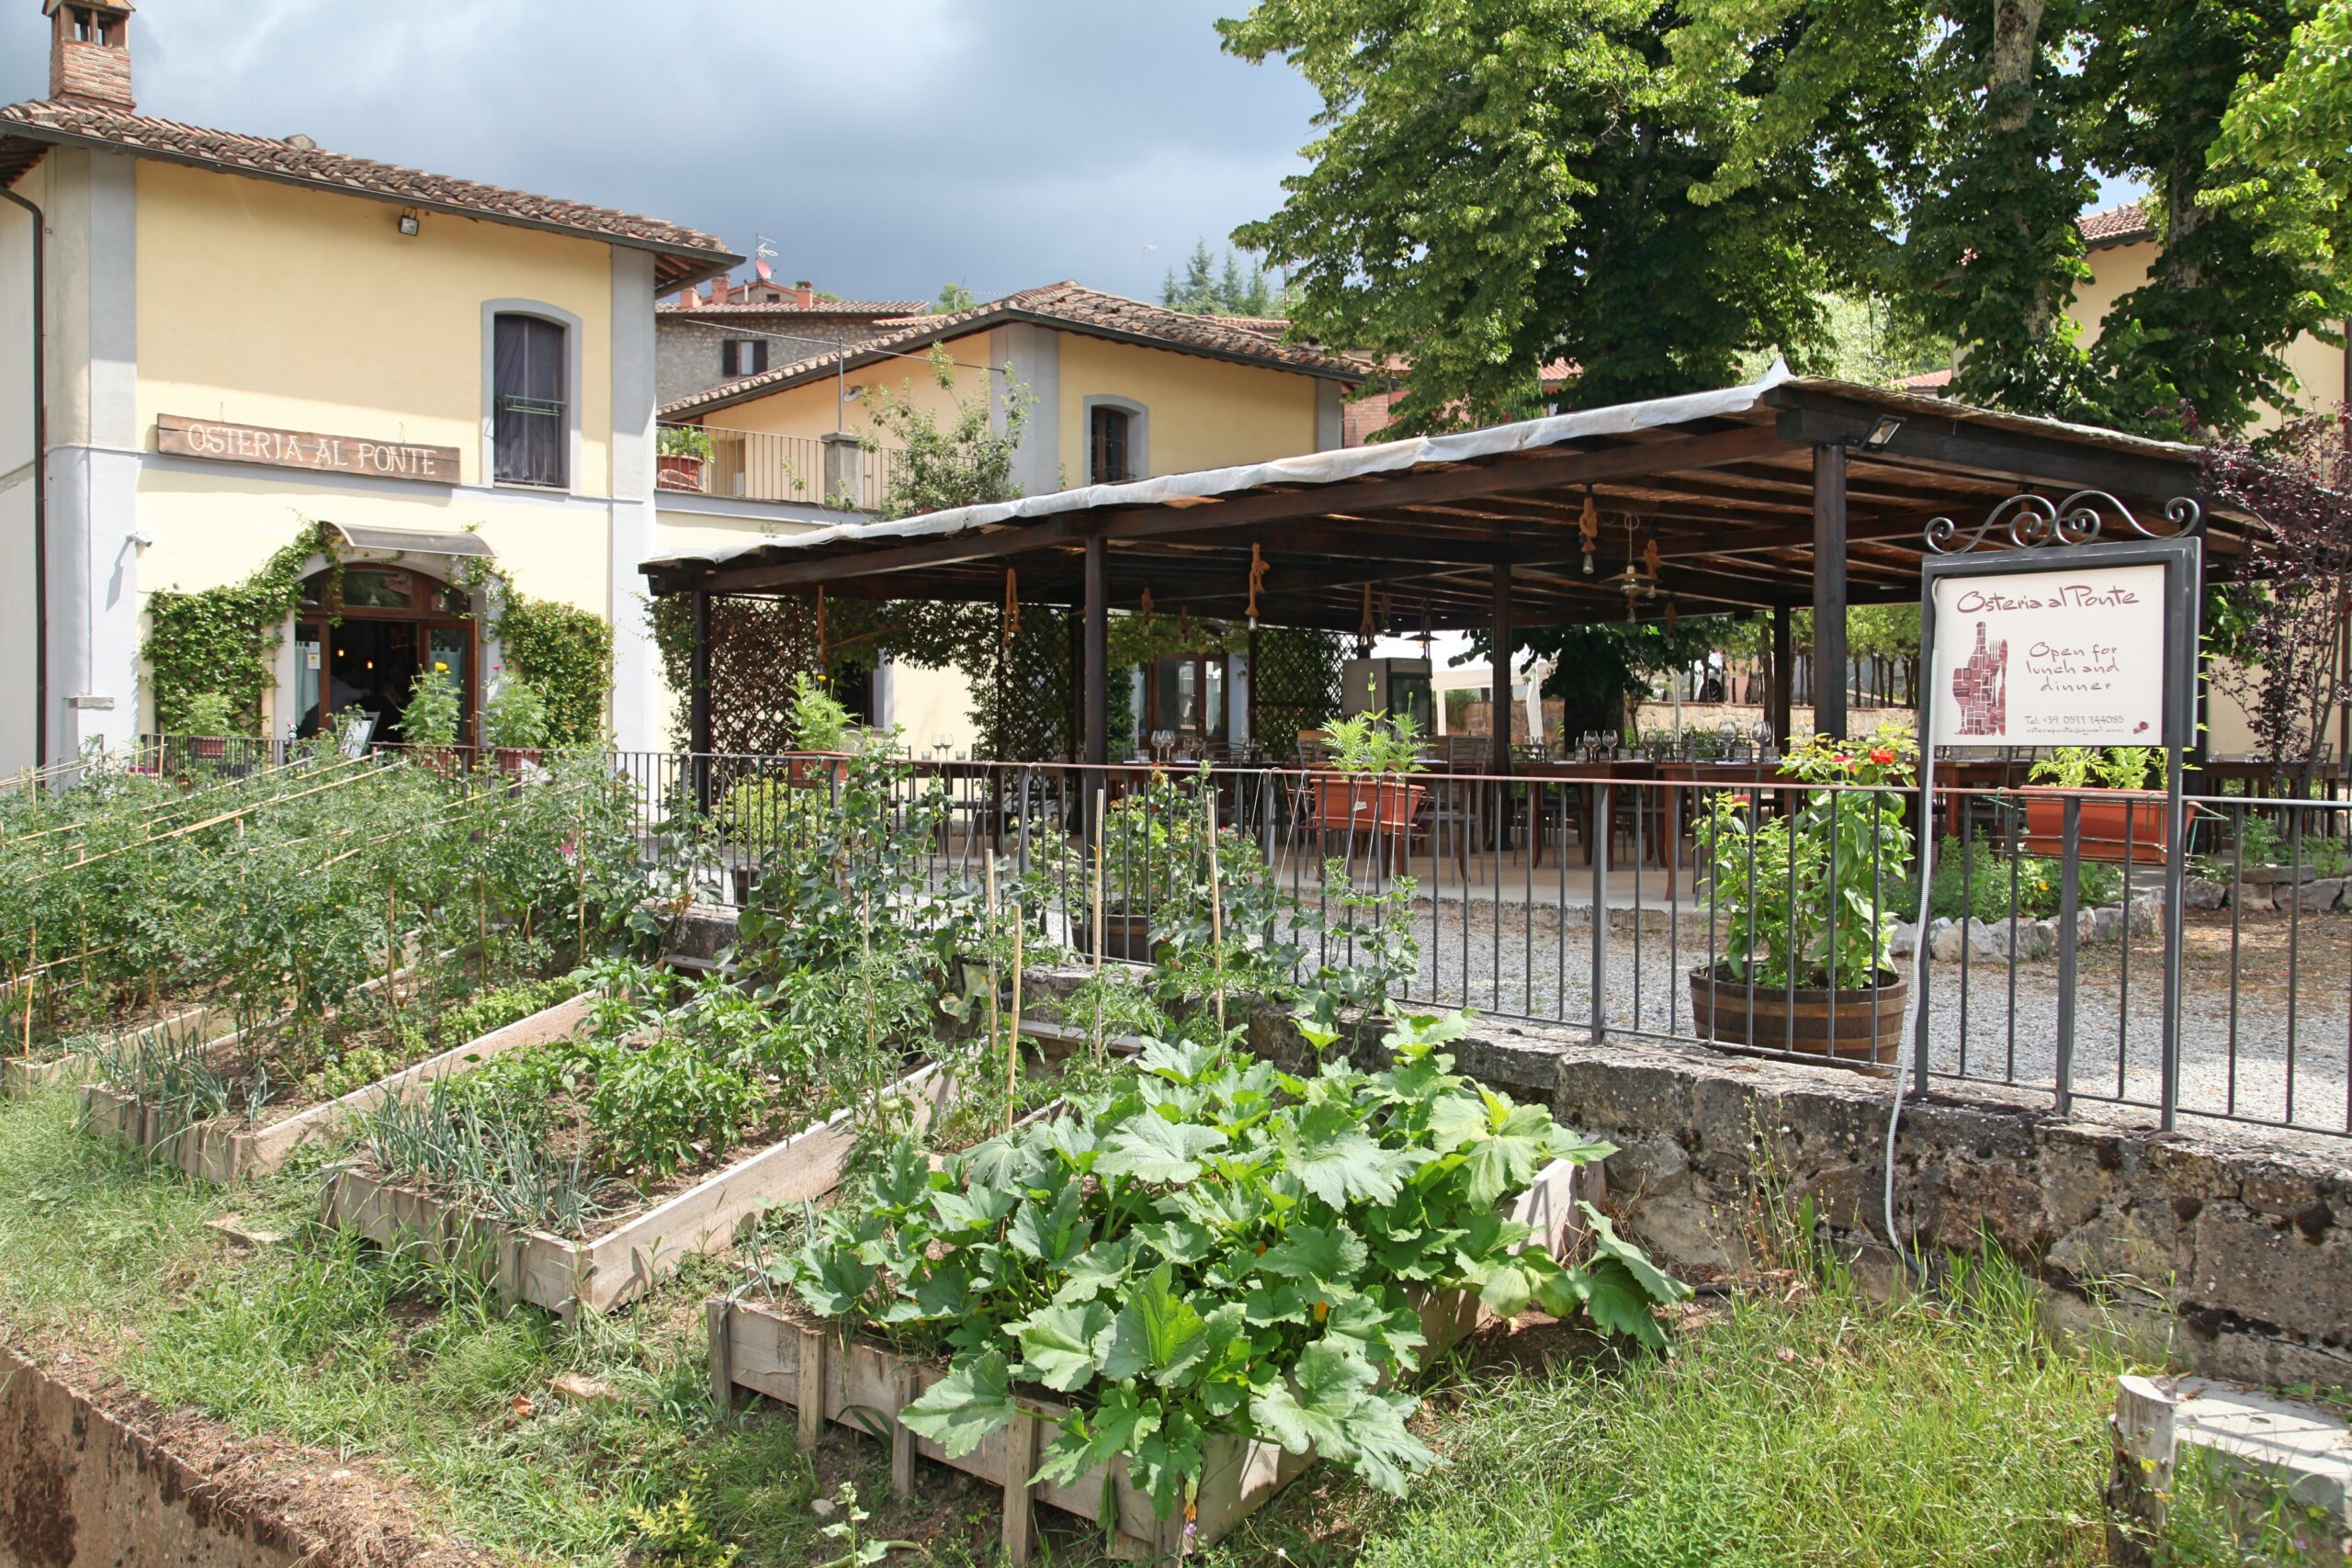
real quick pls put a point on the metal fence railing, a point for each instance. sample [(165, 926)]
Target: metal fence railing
[(2049, 949), (750, 464)]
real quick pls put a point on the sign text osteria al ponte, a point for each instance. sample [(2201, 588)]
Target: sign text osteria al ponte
[(186, 437)]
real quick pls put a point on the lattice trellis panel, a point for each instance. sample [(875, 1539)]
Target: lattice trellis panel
[(1293, 686), (1025, 716), (756, 648)]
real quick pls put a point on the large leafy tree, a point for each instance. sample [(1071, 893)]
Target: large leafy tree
[(1499, 184), (1658, 193)]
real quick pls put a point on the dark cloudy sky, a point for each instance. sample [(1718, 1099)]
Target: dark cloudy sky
[(884, 146)]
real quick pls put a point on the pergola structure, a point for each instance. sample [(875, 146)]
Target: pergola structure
[(1787, 491)]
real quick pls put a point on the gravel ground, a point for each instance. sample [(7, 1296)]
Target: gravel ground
[(2277, 1052)]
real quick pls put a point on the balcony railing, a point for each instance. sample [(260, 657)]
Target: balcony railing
[(750, 464)]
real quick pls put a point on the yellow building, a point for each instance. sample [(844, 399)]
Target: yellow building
[(2121, 246), (1113, 389), (238, 335)]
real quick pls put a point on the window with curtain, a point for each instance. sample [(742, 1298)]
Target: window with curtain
[(1108, 463), (529, 402)]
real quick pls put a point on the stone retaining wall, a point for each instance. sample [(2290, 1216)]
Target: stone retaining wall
[(2234, 1248)]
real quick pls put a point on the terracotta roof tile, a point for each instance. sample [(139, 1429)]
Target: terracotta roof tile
[(2116, 225), (694, 253), (890, 310), (1064, 304)]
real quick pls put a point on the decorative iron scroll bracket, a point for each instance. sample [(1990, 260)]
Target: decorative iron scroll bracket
[(2032, 520)]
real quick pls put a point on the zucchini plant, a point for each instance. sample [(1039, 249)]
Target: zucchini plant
[(1209, 1247)]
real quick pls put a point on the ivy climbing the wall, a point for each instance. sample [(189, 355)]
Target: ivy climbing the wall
[(566, 654), (224, 640)]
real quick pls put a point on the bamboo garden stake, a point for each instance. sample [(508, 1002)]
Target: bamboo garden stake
[(32, 961), (1216, 914), (989, 859), (1102, 827), (1013, 1035)]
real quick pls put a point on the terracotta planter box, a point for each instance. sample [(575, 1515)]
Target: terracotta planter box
[(1858, 1026), (679, 471), (856, 1383), (2105, 816), (816, 769), (512, 759), (616, 1267), (226, 1150), (1126, 938), (1363, 801)]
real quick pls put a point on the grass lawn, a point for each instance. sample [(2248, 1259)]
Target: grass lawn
[(1812, 1427)]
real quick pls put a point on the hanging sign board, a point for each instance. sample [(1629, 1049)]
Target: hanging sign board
[(2073, 656), (183, 436), (2091, 645)]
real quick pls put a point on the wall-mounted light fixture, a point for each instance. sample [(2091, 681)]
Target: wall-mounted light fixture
[(1881, 433), (411, 223)]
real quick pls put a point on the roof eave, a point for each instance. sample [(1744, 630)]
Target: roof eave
[(694, 263), (723, 398)]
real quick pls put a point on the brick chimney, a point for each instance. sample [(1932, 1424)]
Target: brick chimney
[(804, 294), (90, 52)]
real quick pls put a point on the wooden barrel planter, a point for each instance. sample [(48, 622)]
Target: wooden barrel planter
[(1127, 937), (1864, 1024)]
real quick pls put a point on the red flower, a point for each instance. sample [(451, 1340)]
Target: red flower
[(1881, 756), (1843, 759)]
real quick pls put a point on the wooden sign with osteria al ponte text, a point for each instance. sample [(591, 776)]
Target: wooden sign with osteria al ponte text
[(186, 437)]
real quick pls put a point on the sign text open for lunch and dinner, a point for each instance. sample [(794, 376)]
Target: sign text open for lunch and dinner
[(2073, 656), (183, 436)]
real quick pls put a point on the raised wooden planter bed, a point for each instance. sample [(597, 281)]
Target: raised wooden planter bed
[(605, 1271), (2114, 825), (20, 1077), (856, 1383), (226, 1151)]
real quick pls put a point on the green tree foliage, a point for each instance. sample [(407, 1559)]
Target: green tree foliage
[(2286, 145), (965, 462), (1205, 290), (1511, 182), (1662, 196)]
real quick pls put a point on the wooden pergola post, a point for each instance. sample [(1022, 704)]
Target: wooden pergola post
[(1783, 685), (1829, 589), (1097, 652), (1500, 672), (698, 701)]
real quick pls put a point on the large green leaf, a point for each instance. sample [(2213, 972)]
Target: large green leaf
[(1058, 1343), (1159, 1334), (1505, 1144), (1359, 1325), (1337, 1160), (1616, 1299), (1321, 1254), (1660, 1286), (1150, 1147), (1310, 1409), (1103, 1266), (1053, 1233), (1118, 1424), (961, 1410), (973, 1210), (831, 1279)]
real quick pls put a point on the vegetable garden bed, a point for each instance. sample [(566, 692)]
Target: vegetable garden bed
[(619, 1263), (225, 1150), (798, 1359), (21, 1076)]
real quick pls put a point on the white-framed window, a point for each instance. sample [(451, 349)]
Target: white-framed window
[(1117, 446), (530, 388)]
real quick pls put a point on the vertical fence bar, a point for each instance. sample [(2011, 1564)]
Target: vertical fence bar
[(2069, 889), (1600, 841)]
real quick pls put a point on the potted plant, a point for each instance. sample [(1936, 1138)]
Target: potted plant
[(1153, 843), (682, 455), (208, 720), (1805, 895), (514, 722), (429, 721), (2121, 817), (1365, 785), (821, 727)]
